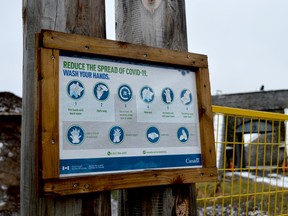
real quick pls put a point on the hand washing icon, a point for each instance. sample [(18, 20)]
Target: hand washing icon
[(75, 89), (75, 135), (153, 134), (186, 97), (147, 94), (116, 134), (183, 134), (167, 95), (101, 91)]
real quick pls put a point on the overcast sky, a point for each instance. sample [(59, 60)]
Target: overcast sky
[(245, 41)]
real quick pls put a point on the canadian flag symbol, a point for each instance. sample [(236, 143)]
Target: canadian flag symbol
[(65, 168)]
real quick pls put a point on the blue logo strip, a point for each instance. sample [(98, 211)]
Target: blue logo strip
[(95, 165)]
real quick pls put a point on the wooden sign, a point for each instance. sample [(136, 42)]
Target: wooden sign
[(113, 115)]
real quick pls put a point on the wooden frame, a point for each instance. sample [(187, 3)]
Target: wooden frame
[(48, 46)]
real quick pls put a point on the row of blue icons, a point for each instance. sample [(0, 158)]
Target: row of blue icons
[(76, 134), (101, 91)]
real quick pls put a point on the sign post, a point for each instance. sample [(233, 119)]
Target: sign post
[(113, 115)]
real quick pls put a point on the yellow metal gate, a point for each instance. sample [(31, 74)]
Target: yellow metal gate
[(251, 148)]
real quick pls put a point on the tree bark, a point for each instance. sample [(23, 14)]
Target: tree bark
[(162, 24), (85, 17)]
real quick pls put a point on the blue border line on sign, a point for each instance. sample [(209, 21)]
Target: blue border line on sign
[(116, 164)]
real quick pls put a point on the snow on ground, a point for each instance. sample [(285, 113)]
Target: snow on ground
[(273, 179)]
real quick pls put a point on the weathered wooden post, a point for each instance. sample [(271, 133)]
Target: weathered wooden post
[(86, 17), (162, 24)]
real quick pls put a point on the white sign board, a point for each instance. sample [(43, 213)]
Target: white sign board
[(117, 116)]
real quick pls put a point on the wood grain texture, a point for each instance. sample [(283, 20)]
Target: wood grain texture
[(83, 185), (60, 16), (48, 107), (205, 118), (88, 19), (78, 43), (161, 200), (155, 23)]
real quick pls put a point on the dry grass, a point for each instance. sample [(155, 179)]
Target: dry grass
[(242, 193)]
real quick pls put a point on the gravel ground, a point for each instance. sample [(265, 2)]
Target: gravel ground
[(219, 211)]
